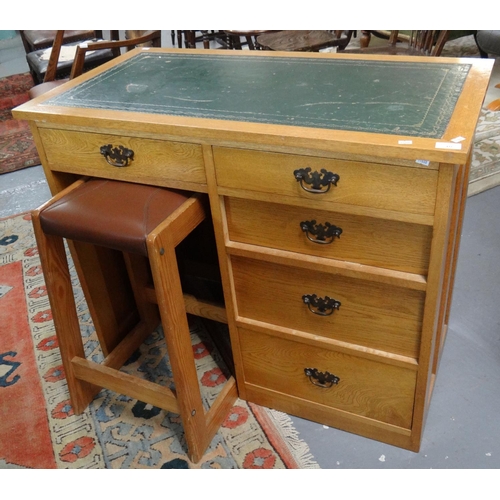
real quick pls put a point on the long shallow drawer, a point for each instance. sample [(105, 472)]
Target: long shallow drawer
[(366, 240), (356, 311), (361, 386), (153, 160), (404, 189)]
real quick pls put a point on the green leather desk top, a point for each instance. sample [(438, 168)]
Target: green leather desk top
[(390, 97)]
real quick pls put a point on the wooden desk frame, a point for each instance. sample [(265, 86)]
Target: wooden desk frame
[(450, 165)]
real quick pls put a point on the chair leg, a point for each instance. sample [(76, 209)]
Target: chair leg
[(249, 40), (62, 302), (205, 39)]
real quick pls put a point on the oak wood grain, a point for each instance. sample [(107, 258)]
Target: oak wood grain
[(367, 240), (370, 314), (366, 388), (79, 152), (361, 184)]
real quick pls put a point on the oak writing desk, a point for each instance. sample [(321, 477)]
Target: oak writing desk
[(337, 185)]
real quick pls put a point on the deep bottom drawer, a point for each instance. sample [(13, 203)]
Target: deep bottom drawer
[(366, 388)]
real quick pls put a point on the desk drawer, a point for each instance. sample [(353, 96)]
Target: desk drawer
[(370, 314), (365, 240), (404, 189), (153, 161), (367, 388)]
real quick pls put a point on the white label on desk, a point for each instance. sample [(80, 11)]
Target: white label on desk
[(423, 162), (458, 139), (405, 142), (448, 145)]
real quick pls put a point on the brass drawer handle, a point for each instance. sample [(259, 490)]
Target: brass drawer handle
[(323, 233), (324, 380), (118, 156), (321, 306), (320, 182)]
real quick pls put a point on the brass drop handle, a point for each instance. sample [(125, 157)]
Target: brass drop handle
[(323, 234), (319, 182), (325, 380), (117, 156), (319, 305)]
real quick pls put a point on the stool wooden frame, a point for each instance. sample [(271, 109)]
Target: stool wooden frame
[(85, 378)]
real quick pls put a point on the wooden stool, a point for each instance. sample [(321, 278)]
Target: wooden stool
[(145, 223)]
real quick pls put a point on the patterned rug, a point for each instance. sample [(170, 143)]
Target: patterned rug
[(17, 148), (485, 165), (38, 428)]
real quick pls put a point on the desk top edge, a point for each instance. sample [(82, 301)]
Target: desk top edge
[(469, 105)]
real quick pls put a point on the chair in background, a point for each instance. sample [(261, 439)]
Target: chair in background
[(78, 63), (489, 44), (224, 39), (233, 38), (366, 36), (190, 38), (38, 60), (131, 34), (42, 39), (149, 38), (305, 40), (416, 43)]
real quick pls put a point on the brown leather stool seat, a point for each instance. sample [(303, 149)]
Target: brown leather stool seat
[(145, 224), (112, 214)]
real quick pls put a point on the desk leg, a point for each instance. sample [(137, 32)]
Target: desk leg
[(455, 233)]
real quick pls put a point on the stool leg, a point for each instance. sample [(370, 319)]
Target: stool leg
[(138, 271), (178, 339), (161, 251), (110, 300), (62, 302)]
